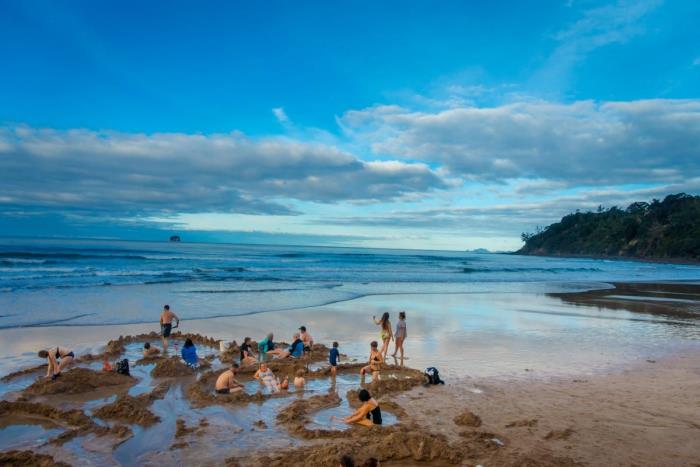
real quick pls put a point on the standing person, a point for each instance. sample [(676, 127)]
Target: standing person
[(227, 383), (247, 355), (57, 360), (386, 334), (333, 357), (166, 325), (375, 361), (400, 335), (306, 339)]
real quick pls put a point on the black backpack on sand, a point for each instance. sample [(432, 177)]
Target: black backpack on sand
[(432, 376), (123, 367)]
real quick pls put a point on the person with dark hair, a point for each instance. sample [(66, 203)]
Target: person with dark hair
[(149, 351), (306, 339), (375, 361), (369, 412), (333, 357), (247, 355), (346, 461), (189, 354), (386, 334), (227, 383), (166, 325), (400, 335), (57, 360)]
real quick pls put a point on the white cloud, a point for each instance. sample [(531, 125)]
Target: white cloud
[(173, 172), (579, 143), (280, 115)]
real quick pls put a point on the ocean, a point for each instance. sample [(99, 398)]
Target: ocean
[(45, 282)]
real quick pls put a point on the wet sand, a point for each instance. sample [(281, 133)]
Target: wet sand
[(507, 402)]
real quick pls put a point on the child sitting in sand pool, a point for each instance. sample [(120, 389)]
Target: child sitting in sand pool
[(375, 361), (149, 351), (227, 383), (333, 357), (369, 412), (57, 360), (267, 377), (299, 380), (189, 354)]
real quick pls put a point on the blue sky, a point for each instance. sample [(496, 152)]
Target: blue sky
[(410, 124)]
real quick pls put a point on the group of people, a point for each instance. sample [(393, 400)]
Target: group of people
[(369, 412)]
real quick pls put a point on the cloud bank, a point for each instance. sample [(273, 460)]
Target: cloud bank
[(191, 173)]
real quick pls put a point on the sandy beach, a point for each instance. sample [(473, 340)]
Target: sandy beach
[(528, 393)]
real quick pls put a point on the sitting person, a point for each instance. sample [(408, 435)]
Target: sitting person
[(248, 357), (299, 380), (189, 354), (149, 351), (57, 360), (369, 412), (267, 346), (267, 377), (227, 383), (295, 350), (375, 361), (306, 339)]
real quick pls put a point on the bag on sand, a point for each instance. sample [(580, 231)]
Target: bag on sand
[(123, 367), (432, 376)]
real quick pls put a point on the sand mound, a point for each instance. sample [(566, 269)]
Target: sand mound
[(27, 371), (171, 367), (295, 416), (388, 444), (132, 409), (559, 434), (521, 423), (77, 381), (76, 420), (28, 458), (468, 418)]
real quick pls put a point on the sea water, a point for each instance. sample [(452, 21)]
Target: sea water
[(91, 282)]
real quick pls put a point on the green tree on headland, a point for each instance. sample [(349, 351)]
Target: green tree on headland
[(668, 229)]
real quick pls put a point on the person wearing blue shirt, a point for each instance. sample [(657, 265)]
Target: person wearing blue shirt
[(189, 354), (333, 358)]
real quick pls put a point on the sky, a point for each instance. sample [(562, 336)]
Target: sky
[(428, 125)]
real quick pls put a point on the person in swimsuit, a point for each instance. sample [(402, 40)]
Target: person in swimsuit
[(227, 383), (149, 351), (267, 378), (295, 350), (299, 381), (400, 335), (57, 360), (166, 325), (369, 412), (248, 357), (375, 362), (386, 335)]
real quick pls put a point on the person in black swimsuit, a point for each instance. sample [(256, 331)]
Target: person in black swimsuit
[(57, 360)]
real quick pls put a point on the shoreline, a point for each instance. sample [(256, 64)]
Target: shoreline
[(676, 261)]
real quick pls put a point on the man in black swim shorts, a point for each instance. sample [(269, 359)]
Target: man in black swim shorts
[(166, 325)]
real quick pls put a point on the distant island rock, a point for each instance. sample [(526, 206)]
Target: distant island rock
[(174, 238), (479, 251), (659, 230)]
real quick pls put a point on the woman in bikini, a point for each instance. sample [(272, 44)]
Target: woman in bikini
[(57, 359), (375, 361), (386, 334)]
